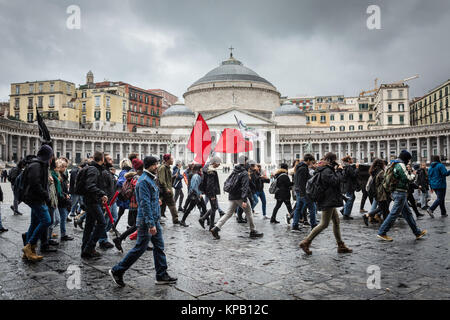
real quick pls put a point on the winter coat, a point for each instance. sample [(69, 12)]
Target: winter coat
[(381, 194), (301, 177), (94, 183), (120, 181), (147, 197), (284, 185), (212, 182), (363, 176), (403, 176), (73, 177), (253, 181), (331, 179), (350, 182), (165, 178), (437, 174), (110, 183), (259, 182), (422, 179), (1, 194), (242, 191), (36, 190), (178, 180)]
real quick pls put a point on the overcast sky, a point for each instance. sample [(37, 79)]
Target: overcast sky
[(311, 47)]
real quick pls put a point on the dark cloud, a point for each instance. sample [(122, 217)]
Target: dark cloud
[(311, 47)]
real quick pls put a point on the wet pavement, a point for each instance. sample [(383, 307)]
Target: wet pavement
[(237, 267)]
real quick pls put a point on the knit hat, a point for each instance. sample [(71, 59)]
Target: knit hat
[(284, 166), (166, 157), (137, 164), (405, 156), (149, 161), (242, 159), (45, 153), (216, 160)]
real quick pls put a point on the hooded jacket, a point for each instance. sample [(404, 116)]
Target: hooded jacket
[(403, 176), (422, 179), (332, 179), (301, 177), (242, 191), (95, 185), (259, 181), (37, 191), (437, 176), (350, 183), (212, 182), (284, 185)]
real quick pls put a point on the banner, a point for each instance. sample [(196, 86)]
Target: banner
[(232, 141), (200, 141)]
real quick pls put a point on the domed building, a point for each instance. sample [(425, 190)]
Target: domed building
[(289, 115), (177, 113)]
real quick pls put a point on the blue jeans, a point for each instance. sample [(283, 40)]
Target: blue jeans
[(109, 225), (94, 228), (255, 201), (374, 205), (143, 238), (1, 226), (40, 221), (63, 217), (76, 200), (301, 205), (400, 206), (262, 196), (349, 204), (440, 201)]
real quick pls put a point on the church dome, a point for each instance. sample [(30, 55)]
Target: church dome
[(288, 108), (178, 109), (231, 70)]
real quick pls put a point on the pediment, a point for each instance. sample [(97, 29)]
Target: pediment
[(227, 118)]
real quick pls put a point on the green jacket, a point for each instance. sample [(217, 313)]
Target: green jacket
[(165, 178), (403, 176)]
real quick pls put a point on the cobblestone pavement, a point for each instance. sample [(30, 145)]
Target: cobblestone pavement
[(236, 267)]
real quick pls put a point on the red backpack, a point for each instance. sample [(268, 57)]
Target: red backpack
[(127, 190)]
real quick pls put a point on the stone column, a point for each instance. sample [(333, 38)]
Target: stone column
[(10, 147), (358, 157), (349, 148), (83, 150), (37, 146), (339, 150), (272, 148), (19, 148), (64, 146), (330, 147), (438, 139), (448, 148), (429, 149), (292, 153), (140, 150), (398, 147), (28, 145), (388, 150), (262, 152), (74, 151), (408, 145), (378, 150), (121, 150), (419, 154)]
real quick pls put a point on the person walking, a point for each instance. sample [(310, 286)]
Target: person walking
[(331, 177), (36, 196), (437, 175), (380, 204), (63, 198), (165, 183), (424, 185), (122, 204), (397, 178), (178, 185), (212, 190), (362, 178), (149, 228), (194, 193), (75, 198), (2, 229), (303, 202), (13, 174), (350, 185), (259, 182), (238, 193), (95, 197), (283, 191)]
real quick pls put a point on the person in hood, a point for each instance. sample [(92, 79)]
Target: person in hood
[(283, 191), (178, 184), (125, 166), (212, 191), (350, 185), (37, 198), (437, 176), (424, 185), (238, 197), (400, 196), (331, 177)]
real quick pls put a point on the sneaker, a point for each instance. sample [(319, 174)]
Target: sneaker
[(183, 224), (288, 218), (348, 218), (215, 232), (106, 245), (385, 238), (72, 214), (266, 218), (202, 222), (255, 213), (444, 215), (53, 242), (118, 244), (117, 278), (366, 220), (3, 230), (68, 219), (295, 229), (166, 280), (13, 210), (47, 249), (274, 221), (18, 213), (306, 223), (424, 232), (90, 254), (66, 238), (75, 223), (363, 211), (221, 213), (255, 234), (430, 213)]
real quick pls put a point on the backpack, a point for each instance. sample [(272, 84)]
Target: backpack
[(231, 183), (127, 190), (273, 186), (371, 188), (390, 181), (20, 185), (314, 188), (80, 181)]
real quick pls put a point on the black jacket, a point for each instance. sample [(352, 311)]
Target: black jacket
[(242, 191), (14, 173), (422, 179), (36, 190), (284, 185), (332, 180), (350, 182), (301, 177), (94, 184), (110, 183), (363, 176), (253, 182), (212, 182), (1, 194), (73, 177), (259, 181)]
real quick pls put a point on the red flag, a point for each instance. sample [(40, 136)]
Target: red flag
[(232, 141), (200, 140)]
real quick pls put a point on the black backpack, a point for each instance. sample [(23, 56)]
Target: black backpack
[(20, 186), (314, 188), (80, 181), (231, 183)]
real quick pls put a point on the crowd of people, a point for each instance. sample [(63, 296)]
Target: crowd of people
[(94, 198)]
